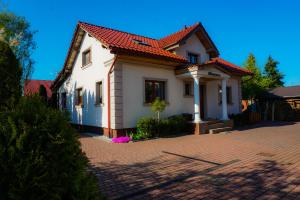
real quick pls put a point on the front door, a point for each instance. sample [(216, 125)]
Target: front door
[(202, 103)]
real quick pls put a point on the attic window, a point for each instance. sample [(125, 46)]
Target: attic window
[(140, 42)]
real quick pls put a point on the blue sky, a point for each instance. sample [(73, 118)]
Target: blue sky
[(263, 27)]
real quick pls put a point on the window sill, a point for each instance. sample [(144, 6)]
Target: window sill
[(86, 66), (99, 104), (149, 104), (78, 106)]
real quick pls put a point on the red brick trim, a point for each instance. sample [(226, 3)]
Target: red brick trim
[(111, 133)]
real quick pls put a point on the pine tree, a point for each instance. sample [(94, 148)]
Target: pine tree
[(272, 74), (251, 85), (10, 77)]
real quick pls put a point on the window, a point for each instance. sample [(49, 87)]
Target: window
[(140, 42), (193, 58), (154, 89), (99, 93), (79, 97), (229, 95), (86, 57), (188, 89), (64, 100)]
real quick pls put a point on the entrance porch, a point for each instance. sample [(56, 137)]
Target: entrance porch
[(201, 76)]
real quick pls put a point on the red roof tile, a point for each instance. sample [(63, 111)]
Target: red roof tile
[(230, 66), (119, 40), (176, 37), (33, 86)]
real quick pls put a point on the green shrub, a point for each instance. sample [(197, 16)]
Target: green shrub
[(158, 106), (40, 155), (10, 78), (241, 119), (172, 125), (149, 127)]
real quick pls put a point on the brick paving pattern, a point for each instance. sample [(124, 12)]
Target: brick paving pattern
[(261, 162)]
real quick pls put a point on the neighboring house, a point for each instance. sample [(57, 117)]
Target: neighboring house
[(33, 86), (282, 103), (110, 78)]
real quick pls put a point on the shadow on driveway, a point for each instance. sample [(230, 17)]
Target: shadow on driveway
[(175, 176)]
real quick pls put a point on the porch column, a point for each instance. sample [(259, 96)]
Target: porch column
[(224, 99), (197, 116)]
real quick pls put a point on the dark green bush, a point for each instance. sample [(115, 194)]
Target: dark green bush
[(241, 119), (151, 127), (147, 126), (40, 155), (10, 78)]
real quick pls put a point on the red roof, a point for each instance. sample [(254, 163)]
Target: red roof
[(123, 41), (176, 37), (230, 66), (33, 86)]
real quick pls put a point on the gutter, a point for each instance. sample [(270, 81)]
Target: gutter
[(108, 95)]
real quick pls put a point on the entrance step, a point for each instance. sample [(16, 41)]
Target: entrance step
[(216, 125), (219, 130)]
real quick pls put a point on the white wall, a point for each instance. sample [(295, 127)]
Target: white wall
[(86, 78), (133, 93), (132, 83), (214, 109), (193, 45)]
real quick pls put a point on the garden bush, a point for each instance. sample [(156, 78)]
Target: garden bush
[(40, 155), (149, 127), (241, 119)]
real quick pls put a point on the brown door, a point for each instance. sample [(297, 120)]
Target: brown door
[(202, 93)]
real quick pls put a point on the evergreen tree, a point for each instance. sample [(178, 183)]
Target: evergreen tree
[(40, 155), (16, 31), (10, 77), (252, 85), (43, 93), (272, 74)]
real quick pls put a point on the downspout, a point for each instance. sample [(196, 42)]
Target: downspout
[(108, 95)]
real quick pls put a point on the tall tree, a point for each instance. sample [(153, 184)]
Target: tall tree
[(10, 78), (16, 31), (251, 85), (274, 78)]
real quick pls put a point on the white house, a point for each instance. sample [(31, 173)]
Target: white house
[(110, 77)]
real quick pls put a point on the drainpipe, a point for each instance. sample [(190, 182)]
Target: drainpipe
[(108, 94)]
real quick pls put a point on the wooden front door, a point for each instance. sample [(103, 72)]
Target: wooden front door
[(202, 103)]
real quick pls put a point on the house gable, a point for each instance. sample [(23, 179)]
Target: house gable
[(193, 45)]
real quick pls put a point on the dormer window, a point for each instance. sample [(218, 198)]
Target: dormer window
[(86, 57), (140, 42), (193, 58)]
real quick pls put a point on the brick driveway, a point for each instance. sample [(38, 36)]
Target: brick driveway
[(262, 162)]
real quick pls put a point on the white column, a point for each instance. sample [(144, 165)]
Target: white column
[(224, 100), (197, 116)]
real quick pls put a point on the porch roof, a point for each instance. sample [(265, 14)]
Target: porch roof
[(222, 64)]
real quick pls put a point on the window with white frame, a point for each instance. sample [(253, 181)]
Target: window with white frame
[(188, 88), (86, 57), (79, 97), (193, 58), (99, 93), (154, 89)]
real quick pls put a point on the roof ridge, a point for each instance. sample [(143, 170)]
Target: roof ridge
[(196, 24), (80, 22)]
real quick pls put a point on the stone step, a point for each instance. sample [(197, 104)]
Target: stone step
[(213, 122), (219, 130), (216, 125)]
